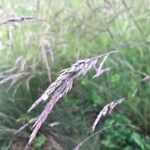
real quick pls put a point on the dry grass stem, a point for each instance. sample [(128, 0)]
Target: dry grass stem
[(13, 77), (107, 109), (19, 19), (146, 78), (25, 125)]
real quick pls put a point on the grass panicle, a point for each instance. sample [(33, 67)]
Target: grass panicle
[(61, 86), (107, 109)]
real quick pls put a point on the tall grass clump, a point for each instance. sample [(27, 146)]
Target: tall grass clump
[(38, 39)]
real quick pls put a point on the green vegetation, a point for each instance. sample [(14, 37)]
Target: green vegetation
[(33, 52)]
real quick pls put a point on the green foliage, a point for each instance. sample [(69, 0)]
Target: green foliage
[(123, 135), (39, 141)]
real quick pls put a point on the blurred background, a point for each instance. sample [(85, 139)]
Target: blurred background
[(39, 38)]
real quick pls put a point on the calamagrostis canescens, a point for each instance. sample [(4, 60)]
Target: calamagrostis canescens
[(63, 85)]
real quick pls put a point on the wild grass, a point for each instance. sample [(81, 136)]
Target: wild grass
[(62, 85), (108, 108), (33, 52)]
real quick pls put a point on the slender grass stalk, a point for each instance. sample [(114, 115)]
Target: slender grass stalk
[(19, 19), (101, 131)]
